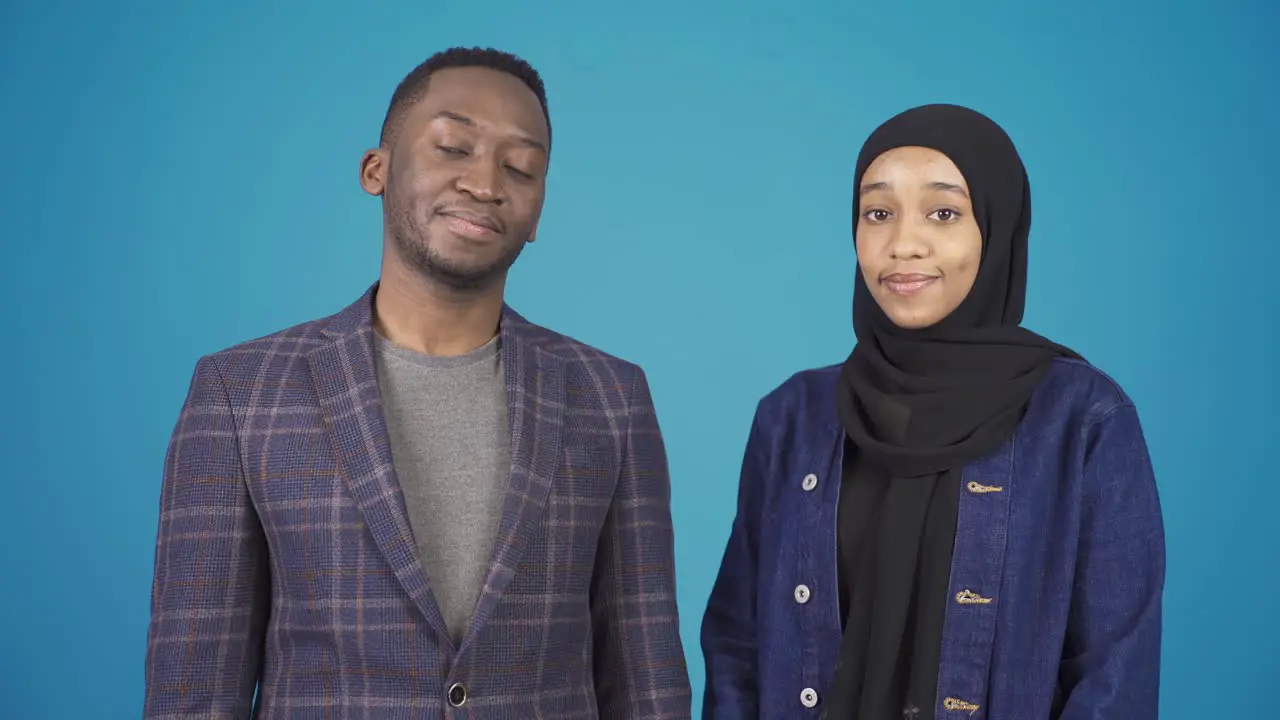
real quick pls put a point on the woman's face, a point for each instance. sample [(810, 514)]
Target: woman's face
[(918, 242)]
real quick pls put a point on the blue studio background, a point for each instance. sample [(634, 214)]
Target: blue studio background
[(181, 177)]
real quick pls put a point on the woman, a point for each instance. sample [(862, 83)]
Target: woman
[(961, 520)]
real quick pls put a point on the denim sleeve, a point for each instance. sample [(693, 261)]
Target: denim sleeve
[(1111, 659), (729, 624)]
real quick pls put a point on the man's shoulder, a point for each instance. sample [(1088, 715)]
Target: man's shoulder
[(571, 350), (586, 366), (279, 349)]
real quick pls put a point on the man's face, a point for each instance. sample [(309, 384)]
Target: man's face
[(464, 182)]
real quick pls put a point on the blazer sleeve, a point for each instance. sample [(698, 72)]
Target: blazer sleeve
[(729, 646), (209, 595), (1111, 659), (640, 669)]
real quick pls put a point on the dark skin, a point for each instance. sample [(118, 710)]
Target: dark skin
[(462, 186)]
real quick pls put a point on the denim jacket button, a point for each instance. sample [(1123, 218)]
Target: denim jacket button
[(809, 697), (809, 483), (802, 594)]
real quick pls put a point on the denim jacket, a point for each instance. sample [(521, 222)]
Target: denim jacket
[(1056, 578)]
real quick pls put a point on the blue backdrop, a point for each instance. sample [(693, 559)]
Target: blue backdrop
[(181, 177)]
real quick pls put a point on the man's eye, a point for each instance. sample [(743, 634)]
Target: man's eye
[(520, 173), (452, 150)]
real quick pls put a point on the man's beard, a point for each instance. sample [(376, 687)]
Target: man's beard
[(414, 245)]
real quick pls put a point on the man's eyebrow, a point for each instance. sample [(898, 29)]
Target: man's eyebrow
[(464, 120), (530, 142), (456, 117)]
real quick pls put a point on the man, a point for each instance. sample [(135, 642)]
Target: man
[(423, 506)]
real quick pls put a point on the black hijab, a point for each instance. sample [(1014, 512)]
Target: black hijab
[(918, 405)]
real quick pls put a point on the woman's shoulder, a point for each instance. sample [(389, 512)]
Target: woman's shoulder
[(805, 398), (1084, 387)]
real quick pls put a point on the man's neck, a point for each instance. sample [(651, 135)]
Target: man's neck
[(413, 313)]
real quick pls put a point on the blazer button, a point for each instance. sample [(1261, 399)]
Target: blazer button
[(457, 695), (809, 697), (810, 482), (802, 594)]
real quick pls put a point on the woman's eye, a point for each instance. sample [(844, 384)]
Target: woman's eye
[(944, 215), (876, 215)]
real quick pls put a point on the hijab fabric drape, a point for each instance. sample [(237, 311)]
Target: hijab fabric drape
[(918, 405)]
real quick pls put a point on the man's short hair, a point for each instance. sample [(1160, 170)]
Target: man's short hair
[(414, 86)]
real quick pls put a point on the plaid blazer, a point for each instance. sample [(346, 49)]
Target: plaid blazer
[(285, 562)]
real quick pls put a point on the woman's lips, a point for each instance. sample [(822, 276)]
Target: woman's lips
[(907, 284)]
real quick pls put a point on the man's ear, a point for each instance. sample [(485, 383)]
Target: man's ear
[(373, 171), (533, 234)]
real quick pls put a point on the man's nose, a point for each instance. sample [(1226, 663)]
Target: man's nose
[(481, 181)]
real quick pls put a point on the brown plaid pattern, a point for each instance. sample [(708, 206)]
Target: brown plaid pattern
[(284, 559)]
